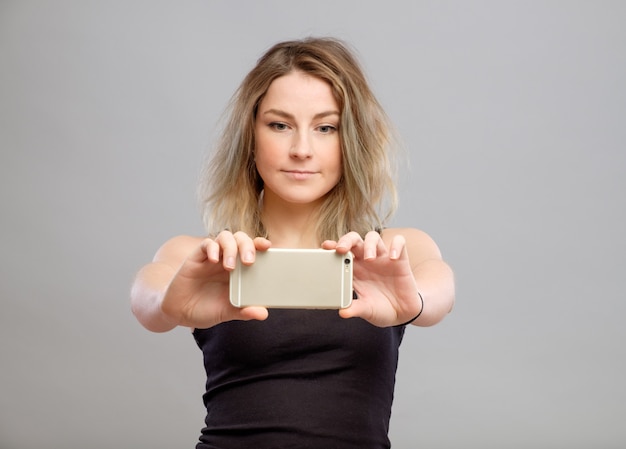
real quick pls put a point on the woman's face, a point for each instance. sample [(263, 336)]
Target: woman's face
[(297, 145)]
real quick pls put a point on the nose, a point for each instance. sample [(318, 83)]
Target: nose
[(301, 146)]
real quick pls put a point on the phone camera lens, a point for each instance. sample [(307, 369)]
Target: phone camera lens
[(346, 261)]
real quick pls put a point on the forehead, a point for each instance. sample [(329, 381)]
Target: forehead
[(297, 89)]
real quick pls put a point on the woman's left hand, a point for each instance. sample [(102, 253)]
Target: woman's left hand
[(383, 279)]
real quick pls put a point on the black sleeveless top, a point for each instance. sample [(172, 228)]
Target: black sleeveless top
[(300, 379)]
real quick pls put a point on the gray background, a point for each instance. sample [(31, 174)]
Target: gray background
[(513, 114)]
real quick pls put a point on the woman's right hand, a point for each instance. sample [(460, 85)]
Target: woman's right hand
[(188, 282)]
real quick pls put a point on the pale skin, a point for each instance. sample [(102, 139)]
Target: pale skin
[(298, 156)]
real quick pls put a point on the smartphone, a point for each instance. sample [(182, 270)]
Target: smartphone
[(294, 278)]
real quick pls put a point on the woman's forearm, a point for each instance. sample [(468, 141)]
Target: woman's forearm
[(435, 282), (147, 294)]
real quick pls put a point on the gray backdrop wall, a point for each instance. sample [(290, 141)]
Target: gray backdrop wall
[(513, 114)]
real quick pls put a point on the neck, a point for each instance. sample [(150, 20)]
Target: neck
[(290, 225)]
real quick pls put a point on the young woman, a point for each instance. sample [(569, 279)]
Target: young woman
[(305, 161)]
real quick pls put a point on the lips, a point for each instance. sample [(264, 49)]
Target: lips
[(299, 175)]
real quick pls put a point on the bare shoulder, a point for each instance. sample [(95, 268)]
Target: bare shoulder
[(418, 243), (177, 249)]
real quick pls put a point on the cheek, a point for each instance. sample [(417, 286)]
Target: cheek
[(265, 146), (260, 150), (339, 159), (259, 162), (263, 150)]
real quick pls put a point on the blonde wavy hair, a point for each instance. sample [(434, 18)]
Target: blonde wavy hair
[(365, 197)]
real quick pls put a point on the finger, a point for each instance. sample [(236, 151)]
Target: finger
[(397, 249), (203, 252), (245, 247), (261, 243), (359, 309), (253, 313), (211, 250), (243, 314), (329, 244), (228, 244), (352, 241), (373, 246)]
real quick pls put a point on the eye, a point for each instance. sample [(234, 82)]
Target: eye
[(326, 129), (278, 126)]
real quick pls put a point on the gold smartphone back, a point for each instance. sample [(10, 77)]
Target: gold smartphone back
[(294, 278)]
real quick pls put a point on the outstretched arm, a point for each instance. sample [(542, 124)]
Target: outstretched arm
[(397, 277), (187, 282)]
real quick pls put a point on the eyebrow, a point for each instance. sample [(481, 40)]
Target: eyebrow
[(287, 115)]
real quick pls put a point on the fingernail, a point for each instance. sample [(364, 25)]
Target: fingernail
[(394, 254), (247, 257), (230, 262)]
